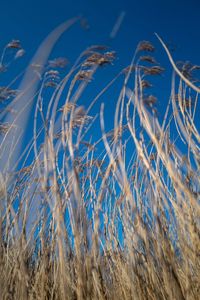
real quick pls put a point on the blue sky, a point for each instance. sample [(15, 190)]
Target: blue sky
[(177, 22)]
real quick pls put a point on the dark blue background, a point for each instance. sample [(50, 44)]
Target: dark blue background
[(177, 22)]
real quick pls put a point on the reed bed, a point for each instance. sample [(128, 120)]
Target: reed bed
[(109, 218)]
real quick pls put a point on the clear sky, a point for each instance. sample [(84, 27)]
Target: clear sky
[(177, 22)]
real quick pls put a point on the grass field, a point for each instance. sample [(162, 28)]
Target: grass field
[(109, 218)]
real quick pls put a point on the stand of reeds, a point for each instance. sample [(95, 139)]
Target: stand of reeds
[(109, 218)]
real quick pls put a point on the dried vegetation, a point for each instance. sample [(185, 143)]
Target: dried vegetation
[(114, 218)]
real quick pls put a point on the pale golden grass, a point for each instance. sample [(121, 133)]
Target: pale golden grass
[(151, 191)]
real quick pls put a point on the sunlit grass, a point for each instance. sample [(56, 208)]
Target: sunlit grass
[(109, 218)]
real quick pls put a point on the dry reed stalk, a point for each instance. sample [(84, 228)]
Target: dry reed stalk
[(101, 229)]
